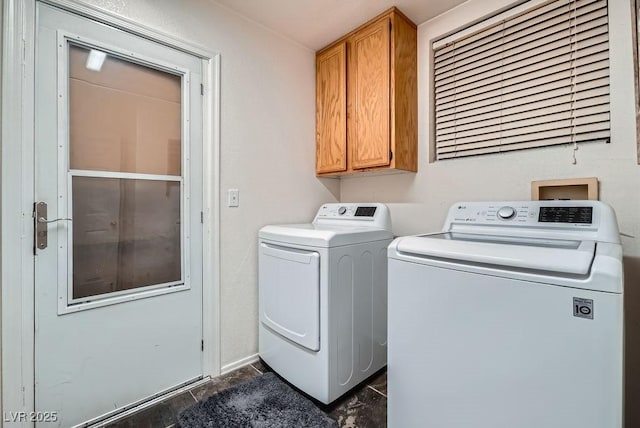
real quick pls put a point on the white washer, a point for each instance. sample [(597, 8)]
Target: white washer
[(511, 317), (323, 298)]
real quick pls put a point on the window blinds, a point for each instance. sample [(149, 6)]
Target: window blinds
[(538, 79)]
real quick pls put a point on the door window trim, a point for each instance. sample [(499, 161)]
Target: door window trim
[(66, 303)]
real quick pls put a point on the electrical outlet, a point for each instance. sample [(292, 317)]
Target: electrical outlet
[(233, 197)]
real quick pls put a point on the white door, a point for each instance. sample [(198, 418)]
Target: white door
[(119, 171)]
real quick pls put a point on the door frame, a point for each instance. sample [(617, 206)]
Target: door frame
[(17, 375)]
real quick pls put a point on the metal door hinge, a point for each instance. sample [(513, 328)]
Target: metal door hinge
[(201, 89), (201, 217), (202, 345), (390, 25), (390, 155)]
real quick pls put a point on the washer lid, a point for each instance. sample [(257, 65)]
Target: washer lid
[(318, 235), (552, 255)]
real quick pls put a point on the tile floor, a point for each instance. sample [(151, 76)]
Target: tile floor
[(363, 407)]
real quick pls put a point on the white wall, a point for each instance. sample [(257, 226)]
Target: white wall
[(267, 149), (419, 202)]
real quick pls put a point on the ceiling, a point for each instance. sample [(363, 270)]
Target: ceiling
[(316, 23)]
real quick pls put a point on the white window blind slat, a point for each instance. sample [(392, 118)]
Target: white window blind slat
[(584, 131), (489, 60), (544, 12), (527, 123), (547, 47), (512, 147), (508, 85), (533, 141), (537, 79), (471, 149), (545, 99), (534, 101), (467, 81), (543, 30), (554, 105), (531, 74), (542, 68), (505, 133), (458, 129), (455, 128), (462, 103)]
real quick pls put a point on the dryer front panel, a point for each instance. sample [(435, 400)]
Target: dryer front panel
[(289, 287)]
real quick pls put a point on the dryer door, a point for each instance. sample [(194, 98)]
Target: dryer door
[(289, 287)]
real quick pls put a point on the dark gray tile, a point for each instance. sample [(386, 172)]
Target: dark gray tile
[(379, 382), (361, 408), (181, 402), (161, 415), (261, 366), (218, 384)]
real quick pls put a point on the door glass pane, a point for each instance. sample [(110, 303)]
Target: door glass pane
[(126, 234), (123, 117)]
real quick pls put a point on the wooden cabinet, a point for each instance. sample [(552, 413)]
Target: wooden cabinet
[(366, 99), (331, 109)]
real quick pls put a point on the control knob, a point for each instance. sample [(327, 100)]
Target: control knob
[(342, 210), (506, 213)]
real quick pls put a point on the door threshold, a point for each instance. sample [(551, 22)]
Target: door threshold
[(123, 412)]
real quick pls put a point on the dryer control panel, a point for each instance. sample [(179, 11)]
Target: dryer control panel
[(358, 214), (336, 211)]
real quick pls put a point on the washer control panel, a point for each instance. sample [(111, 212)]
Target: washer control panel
[(566, 215), (534, 213), (583, 220)]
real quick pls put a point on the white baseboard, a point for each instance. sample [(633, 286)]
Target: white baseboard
[(240, 363)]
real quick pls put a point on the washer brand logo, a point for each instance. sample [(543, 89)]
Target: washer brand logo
[(583, 308)]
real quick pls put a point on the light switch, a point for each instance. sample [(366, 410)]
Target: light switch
[(233, 197)]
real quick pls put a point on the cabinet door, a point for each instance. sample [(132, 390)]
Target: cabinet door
[(331, 110), (370, 98)]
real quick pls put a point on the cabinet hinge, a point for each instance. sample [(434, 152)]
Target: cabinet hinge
[(390, 155), (201, 89), (202, 217), (390, 25), (202, 345)]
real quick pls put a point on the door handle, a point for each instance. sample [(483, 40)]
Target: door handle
[(41, 224), (44, 220)]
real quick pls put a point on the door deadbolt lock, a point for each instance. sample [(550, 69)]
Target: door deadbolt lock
[(42, 224)]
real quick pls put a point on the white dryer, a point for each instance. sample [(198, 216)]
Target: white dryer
[(323, 298), (511, 317)]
